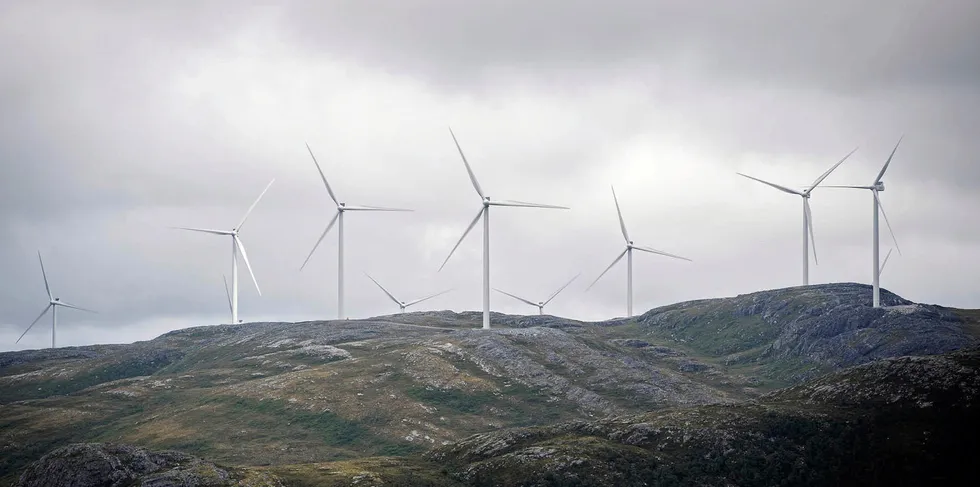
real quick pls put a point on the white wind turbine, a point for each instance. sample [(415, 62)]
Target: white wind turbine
[(807, 216), (53, 304), (236, 247), (628, 252), (402, 304), (228, 295), (540, 305), (876, 187), (485, 213), (339, 220)]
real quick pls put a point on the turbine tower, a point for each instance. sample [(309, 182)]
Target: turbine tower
[(485, 213), (339, 220), (53, 304), (807, 216), (236, 247), (402, 304), (540, 305), (628, 252), (876, 187), (228, 295)]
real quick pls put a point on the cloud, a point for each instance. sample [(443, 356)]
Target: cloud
[(119, 122)]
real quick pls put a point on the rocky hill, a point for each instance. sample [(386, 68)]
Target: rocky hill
[(301, 393), (898, 421)]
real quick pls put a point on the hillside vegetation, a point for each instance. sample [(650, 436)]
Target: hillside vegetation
[(289, 395)]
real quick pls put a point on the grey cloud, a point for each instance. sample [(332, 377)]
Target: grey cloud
[(100, 153)]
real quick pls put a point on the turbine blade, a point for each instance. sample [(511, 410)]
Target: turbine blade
[(227, 293), (887, 223), (45, 276), (516, 297), (322, 236), (884, 168), (607, 269), (241, 248), (824, 175), (525, 204), (472, 224), (399, 303), (882, 268), (372, 208), (417, 301), (250, 208), (204, 230), (561, 289), (774, 185), (622, 224), (72, 306), (809, 224), (324, 178), (469, 170), (849, 187), (46, 308), (660, 252)]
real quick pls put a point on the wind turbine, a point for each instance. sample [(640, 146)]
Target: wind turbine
[(339, 220), (807, 217), (540, 304), (876, 187), (485, 213), (402, 304), (53, 304), (628, 252), (236, 247), (228, 295)]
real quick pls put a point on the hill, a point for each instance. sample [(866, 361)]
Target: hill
[(300, 393), (897, 421)]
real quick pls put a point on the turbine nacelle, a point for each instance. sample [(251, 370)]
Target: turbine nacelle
[(879, 186)]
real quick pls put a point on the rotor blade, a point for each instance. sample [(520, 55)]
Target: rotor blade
[(809, 224), (824, 175), (622, 224), (774, 185), (469, 170), (849, 187), (72, 306), (227, 293), (884, 168), (525, 204), (372, 208), (887, 223), (241, 248), (660, 252), (472, 224), (882, 268), (561, 289), (607, 269), (417, 301), (516, 297), (45, 276), (204, 230), (250, 208), (399, 303), (322, 236), (324, 178), (46, 308)]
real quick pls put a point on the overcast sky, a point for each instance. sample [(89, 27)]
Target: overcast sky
[(120, 119)]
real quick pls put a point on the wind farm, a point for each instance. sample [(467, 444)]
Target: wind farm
[(238, 248)]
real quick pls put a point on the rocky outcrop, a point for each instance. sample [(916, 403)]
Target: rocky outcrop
[(833, 325), (112, 465)]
